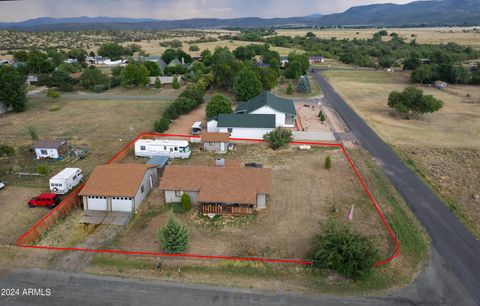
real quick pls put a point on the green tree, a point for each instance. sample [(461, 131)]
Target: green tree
[(423, 74), (134, 74), (225, 68), (194, 92), (344, 250), (169, 55), (206, 57), (278, 138), (219, 104), (412, 101), (386, 61), (328, 163), (301, 59), (20, 56), (322, 116), (162, 124), (153, 68), (186, 202), (175, 83), (174, 236), (412, 62), (13, 90), (62, 80), (78, 54), (247, 85), (38, 62), (42, 170), (92, 76), (303, 85), (158, 84), (268, 77), (293, 70), (6, 150), (112, 51)]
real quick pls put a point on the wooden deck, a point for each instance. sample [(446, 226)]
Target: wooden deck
[(227, 210)]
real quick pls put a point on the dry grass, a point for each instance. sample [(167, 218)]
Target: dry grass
[(456, 125), (463, 36), (281, 89)]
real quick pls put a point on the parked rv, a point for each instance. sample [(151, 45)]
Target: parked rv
[(66, 180), (2, 185), (159, 147)]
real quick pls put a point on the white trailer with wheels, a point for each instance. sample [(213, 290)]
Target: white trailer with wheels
[(66, 180), (159, 147)]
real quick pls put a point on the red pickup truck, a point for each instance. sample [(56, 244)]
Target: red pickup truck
[(49, 200)]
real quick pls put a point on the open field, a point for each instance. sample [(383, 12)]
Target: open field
[(464, 36), (443, 147)]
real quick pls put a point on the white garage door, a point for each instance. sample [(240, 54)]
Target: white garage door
[(121, 204), (97, 203)]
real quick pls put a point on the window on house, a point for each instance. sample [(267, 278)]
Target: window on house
[(43, 152), (142, 148), (176, 149), (142, 189), (230, 130), (178, 193)]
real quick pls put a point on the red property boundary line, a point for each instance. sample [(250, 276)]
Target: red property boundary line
[(20, 243)]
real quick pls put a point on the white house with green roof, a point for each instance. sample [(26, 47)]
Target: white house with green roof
[(251, 126), (269, 104)]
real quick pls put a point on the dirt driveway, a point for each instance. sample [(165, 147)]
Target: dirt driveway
[(183, 125), (16, 217)]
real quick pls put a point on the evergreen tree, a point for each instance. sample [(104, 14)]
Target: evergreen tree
[(304, 85), (13, 90), (158, 84), (174, 236), (176, 83), (289, 89)]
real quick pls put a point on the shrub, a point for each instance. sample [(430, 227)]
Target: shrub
[(344, 250), (6, 150), (174, 236), (322, 116), (304, 85), (186, 202), (32, 132), (289, 89), (99, 88), (278, 138), (176, 83), (43, 170), (53, 94), (328, 163), (193, 48), (162, 125), (158, 84)]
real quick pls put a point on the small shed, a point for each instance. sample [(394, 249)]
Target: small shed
[(55, 149), (160, 162), (215, 142)]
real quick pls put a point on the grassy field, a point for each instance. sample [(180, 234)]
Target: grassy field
[(281, 89), (465, 36), (104, 126), (443, 147), (290, 229)]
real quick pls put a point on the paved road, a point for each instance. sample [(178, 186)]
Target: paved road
[(455, 244)]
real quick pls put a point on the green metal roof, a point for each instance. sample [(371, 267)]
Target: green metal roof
[(246, 121), (267, 99)]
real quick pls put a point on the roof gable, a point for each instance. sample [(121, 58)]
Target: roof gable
[(266, 98)]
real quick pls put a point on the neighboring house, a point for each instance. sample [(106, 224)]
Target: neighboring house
[(6, 61), (50, 148), (283, 61), (164, 80), (316, 59), (267, 103), (440, 84), (156, 59), (31, 79), (215, 142), (250, 126), (118, 187), (175, 62), (223, 189)]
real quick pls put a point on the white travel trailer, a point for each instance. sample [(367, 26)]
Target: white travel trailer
[(66, 180), (160, 147)]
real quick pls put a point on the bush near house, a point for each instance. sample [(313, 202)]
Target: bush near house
[(344, 250), (219, 104), (174, 236), (186, 202), (278, 138), (328, 163), (43, 170)]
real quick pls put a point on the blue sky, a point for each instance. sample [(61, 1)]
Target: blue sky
[(175, 9)]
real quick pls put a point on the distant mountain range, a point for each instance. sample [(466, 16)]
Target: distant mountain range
[(426, 13)]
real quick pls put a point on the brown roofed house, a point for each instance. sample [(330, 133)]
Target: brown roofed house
[(118, 187), (220, 190), (215, 142)]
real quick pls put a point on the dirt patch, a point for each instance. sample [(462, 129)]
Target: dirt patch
[(455, 172), (183, 125), (17, 217), (308, 115)]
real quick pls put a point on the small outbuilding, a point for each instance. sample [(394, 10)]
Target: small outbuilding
[(55, 149), (160, 162), (216, 142)]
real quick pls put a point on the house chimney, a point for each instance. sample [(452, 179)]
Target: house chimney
[(220, 162)]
